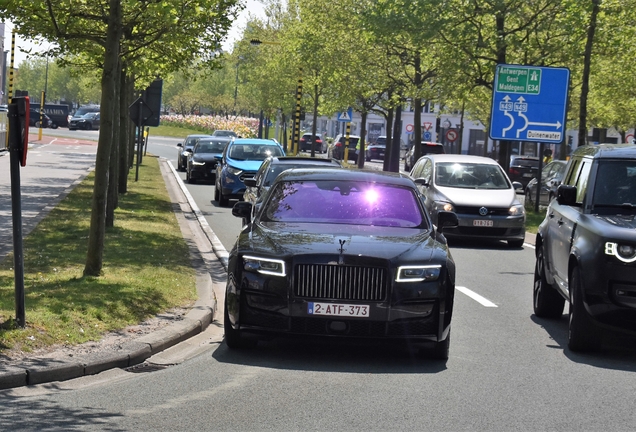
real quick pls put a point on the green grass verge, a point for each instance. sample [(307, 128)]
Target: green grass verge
[(174, 131), (533, 220), (146, 268)]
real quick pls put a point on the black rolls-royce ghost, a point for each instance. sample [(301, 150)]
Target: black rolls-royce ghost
[(341, 253)]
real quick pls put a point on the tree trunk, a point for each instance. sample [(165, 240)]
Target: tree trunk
[(124, 102), (314, 125), (394, 164), (94, 256), (112, 201), (417, 110), (363, 145), (585, 83), (389, 140)]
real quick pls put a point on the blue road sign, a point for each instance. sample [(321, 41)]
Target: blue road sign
[(345, 116), (529, 103), (427, 136)]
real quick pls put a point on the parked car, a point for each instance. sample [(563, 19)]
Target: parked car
[(427, 148), (241, 159), (84, 109), (186, 147), (89, 121), (586, 247), (523, 169), (551, 177), (224, 133), (257, 187), (375, 151), (205, 155), (477, 189), (336, 150), (306, 140), (34, 119), (343, 254)]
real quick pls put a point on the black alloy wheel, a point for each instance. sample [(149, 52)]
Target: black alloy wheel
[(547, 301), (233, 338), (583, 335), (529, 199)]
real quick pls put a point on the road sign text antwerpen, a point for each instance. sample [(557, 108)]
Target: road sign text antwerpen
[(529, 103)]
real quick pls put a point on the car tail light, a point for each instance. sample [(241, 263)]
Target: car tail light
[(514, 171), (303, 139), (319, 141), (338, 144)]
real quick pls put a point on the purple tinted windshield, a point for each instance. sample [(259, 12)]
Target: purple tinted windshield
[(344, 202)]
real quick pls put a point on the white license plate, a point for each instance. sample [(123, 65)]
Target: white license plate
[(528, 175), (482, 223), (343, 310)]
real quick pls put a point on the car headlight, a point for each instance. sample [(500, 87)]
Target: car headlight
[(516, 210), (625, 253), (235, 171), (197, 163), (267, 266), (444, 206), (418, 273)]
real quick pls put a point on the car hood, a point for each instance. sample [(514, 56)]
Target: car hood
[(499, 198), (388, 243), (619, 225), (206, 157), (249, 165)]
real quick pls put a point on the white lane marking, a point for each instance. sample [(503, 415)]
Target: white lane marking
[(473, 295)]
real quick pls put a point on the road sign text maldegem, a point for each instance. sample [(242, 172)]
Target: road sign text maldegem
[(519, 80)]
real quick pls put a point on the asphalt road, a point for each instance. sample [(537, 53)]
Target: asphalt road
[(508, 370)]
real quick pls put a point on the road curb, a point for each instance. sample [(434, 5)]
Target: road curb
[(134, 352)]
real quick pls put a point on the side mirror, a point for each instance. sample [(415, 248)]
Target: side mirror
[(422, 181), (446, 219), (517, 185), (250, 182), (180, 145), (566, 195), (242, 209), (218, 158)]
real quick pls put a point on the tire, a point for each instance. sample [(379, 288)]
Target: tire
[(441, 350), (53, 126), (37, 124), (72, 129), (406, 167), (233, 338), (216, 194), (189, 178), (515, 243), (547, 301), (223, 200), (583, 335)]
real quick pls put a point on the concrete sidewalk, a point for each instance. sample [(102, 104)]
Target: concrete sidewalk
[(210, 270)]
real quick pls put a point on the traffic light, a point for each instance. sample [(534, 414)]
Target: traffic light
[(438, 124)]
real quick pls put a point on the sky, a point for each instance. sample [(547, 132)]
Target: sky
[(253, 8)]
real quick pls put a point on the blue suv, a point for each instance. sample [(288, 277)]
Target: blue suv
[(241, 159)]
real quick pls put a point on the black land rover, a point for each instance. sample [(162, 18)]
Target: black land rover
[(586, 246)]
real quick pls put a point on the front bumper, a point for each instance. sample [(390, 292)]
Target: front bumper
[(503, 228), (232, 186), (207, 171)]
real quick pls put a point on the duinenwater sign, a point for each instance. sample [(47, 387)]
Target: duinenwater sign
[(529, 103)]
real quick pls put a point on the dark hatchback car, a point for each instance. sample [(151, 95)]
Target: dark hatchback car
[(202, 160), (586, 247), (375, 151), (427, 148), (306, 140), (186, 147), (551, 177), (34, 119), (89, 121), (343, 254), (337, 149), (523, 169), (257, 187)]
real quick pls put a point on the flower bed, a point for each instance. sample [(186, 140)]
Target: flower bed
[(243, 126)]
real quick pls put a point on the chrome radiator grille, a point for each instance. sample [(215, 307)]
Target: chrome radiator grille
[(340, 282)]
